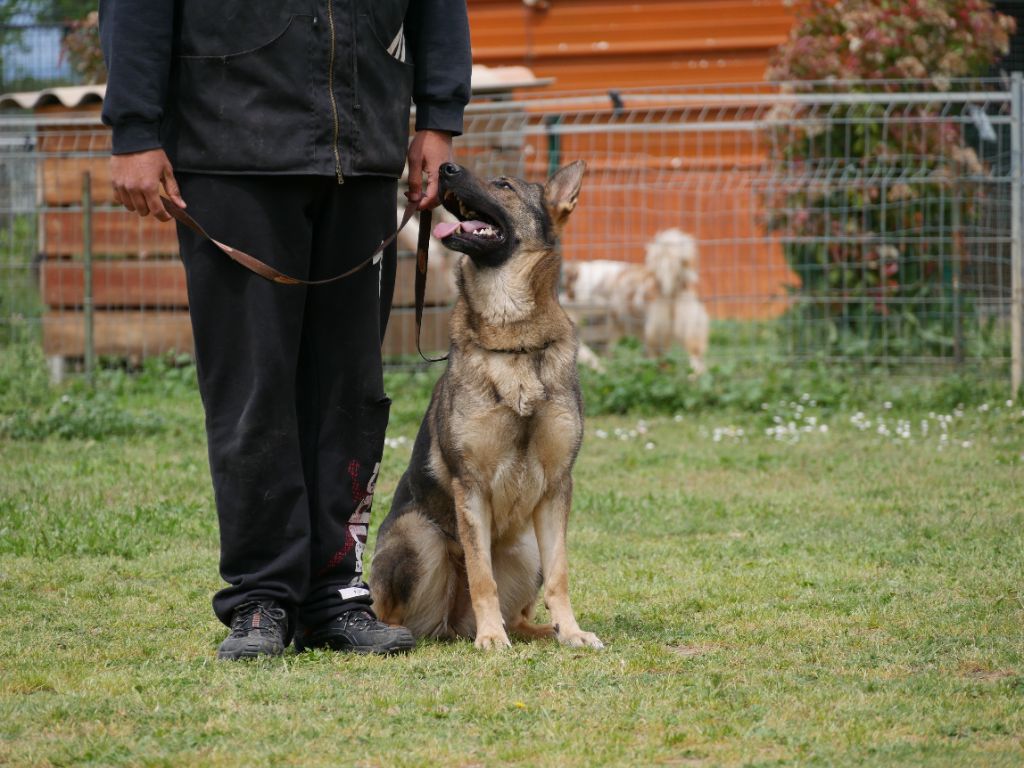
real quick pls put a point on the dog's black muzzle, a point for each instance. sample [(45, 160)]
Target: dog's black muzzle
[(485, 234)]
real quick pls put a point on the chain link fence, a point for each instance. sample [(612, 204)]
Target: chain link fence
[(873, 223)]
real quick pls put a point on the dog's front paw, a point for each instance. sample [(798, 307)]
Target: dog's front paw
[(492, 641), (579, 638)]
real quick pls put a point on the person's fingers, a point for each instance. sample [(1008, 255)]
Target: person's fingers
[(415, 181), (156, 205), (171, 185), (430, 200), (139, 203), (121, 197)]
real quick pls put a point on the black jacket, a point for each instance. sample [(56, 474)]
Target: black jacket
[(283, 86)]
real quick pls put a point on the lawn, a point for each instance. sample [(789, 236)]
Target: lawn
[(792, 584)]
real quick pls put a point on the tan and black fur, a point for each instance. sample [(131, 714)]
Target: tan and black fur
[(478, 523)]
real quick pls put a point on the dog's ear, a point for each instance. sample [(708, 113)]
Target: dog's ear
[(563, 190)]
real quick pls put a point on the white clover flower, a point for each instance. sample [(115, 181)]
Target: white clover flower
[(601, 434), (649, 446)]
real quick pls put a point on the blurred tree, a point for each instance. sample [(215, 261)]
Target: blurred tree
[(80, 38), (63, 10)]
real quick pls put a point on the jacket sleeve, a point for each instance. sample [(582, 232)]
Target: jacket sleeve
[(137, 38), (438, 31)]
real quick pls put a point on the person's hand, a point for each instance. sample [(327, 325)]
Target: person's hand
[(426, 153), (137, 177)]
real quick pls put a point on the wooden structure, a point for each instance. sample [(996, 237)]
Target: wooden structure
[(139, 296)]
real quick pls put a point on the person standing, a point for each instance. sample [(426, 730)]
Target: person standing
[(284, 125)]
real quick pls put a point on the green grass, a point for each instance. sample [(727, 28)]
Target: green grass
[(800, 598)]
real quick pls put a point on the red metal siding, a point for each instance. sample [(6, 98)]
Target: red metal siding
[(606, 44)]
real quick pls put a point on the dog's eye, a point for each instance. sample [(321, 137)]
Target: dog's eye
[(502, 184)]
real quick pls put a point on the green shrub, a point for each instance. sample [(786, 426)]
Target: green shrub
[(32, 409), (876, 204), (632, 383)]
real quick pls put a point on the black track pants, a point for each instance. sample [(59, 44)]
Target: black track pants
[(291, 380)]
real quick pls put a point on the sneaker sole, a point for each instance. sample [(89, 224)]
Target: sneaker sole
[(247, 655), (248, 652), (402, 646)]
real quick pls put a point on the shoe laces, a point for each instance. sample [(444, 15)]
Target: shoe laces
[(254, 616), (359, 618)]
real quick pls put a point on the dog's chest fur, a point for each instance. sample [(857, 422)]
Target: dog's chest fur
[(522, 434)]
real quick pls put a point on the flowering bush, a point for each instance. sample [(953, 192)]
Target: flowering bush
[(872, 197), (892, 39), (82, 46)]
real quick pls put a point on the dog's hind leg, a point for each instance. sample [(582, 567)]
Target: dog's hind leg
[(412, 579), (524, 626), (517, 573)]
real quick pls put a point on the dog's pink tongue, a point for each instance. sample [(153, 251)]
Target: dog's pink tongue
[(446, 228)]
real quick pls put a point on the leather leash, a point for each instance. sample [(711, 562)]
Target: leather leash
[(268, 272), (422, 246)]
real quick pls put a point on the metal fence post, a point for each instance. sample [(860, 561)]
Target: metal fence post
[(87, 305), (1016, 243)]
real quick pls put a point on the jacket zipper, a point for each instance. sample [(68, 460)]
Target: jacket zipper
[(330, 88)]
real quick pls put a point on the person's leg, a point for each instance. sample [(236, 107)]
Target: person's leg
[(342, 404), (248, 333)]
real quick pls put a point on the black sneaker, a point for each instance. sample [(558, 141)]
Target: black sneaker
[(358, 631), (258, 628)]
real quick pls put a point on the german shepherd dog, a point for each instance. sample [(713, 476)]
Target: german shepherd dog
[(478, 522)]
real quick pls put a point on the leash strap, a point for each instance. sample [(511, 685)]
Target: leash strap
[(266, 271), (422, 246)]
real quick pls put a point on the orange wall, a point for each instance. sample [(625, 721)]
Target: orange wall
[(607, 44)]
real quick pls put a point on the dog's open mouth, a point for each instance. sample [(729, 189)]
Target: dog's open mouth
[(472, 225)]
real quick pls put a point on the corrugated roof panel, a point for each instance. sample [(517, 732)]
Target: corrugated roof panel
[(72, 97)]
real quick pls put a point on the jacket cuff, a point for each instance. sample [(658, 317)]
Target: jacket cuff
[(440, 116), (135, 137)]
